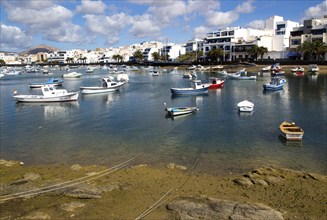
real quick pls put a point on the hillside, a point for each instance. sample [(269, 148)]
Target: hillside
[(38, 49)]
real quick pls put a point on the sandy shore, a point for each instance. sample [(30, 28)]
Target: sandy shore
[(127, 192)]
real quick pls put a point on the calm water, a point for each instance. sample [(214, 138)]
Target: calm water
[(110, 128)]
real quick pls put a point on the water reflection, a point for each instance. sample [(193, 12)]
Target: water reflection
[(290, 143), (51, 111), (107, 98)]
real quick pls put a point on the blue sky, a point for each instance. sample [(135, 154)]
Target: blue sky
[(86, 24)]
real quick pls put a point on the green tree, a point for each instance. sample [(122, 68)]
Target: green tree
[(214, 54), (306, 48), (156, 56), (254, 51), (138, 55), (2, 62), (262, 51), (118, 58), (319, 49), (187, 57)]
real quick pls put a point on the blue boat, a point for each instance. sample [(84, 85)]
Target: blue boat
[(197, 88), (51, 81), (276, 83)]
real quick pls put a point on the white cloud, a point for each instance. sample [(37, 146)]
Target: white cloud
[(53, 22), (201, 31), (221, 18), (143, 26), (13, 38), (91, 7), (245, 7), (256, 24), (111, 26), (316, 11)]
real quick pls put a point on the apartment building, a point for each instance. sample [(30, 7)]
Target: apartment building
[(236, 41), (311, 30)]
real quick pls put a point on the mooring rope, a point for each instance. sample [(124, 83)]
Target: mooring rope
[(68, 183)]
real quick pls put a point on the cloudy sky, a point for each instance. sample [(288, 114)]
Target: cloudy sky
[(86, 24)]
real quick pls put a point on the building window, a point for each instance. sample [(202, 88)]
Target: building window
[(280, 26), (295, 42)]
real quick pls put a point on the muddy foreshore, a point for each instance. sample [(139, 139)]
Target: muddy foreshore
[(142, 192)]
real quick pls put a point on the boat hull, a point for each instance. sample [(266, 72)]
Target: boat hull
[(189, 91), (39, 85), (291, 132), (41, 98), (272, 87), (175, 111), (98, 89)]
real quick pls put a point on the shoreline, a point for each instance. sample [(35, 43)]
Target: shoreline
[(128, 191)]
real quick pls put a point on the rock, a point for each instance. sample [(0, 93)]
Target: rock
[(243, 182), (174, 166), (85, 191), (70, 207), (37, 215), (19, 182), (273, 179), (76, 167), (32, 176), (208, 208), (259, 181), (7, 163), (140, 165)]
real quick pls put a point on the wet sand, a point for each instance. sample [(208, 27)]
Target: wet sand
[(128, 192)]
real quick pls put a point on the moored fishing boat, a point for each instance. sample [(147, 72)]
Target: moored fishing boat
[(107, 85), (197, 88), (242, 75), (245, 106), (215, 83), (51, 81), (276, 83), (291, 131), (49, 94), (174, 111), (313, 69), (72, 75)]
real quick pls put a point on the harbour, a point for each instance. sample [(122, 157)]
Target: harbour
[(107, 128)]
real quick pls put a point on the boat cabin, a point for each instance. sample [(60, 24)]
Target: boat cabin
[(196, 84), (107, 82), (51, 91)]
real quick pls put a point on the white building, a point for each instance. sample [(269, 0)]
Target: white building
[(172, 51), (236, 41)]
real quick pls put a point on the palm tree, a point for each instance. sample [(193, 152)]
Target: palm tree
[(319, 49), (156, 56), (262, 51), (306, 48), (214, 54), (254, 51), (138, 55)]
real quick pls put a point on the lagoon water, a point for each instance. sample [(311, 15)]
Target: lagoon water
[(110, 128)]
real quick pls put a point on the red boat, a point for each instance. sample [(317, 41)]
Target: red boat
[(215, 83)]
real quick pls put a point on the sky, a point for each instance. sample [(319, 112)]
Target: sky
[(91, 24)]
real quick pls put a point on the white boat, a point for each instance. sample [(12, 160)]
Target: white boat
[(313, 68), (266, 69), (193, 67), (291, 131), (72, 75), (51, 81), (298, 69), (245, 106), (174, 111), (123, 77), (107, 85), (2, 75), (197, 88), (242, 74), (49, 94), (276, 83)]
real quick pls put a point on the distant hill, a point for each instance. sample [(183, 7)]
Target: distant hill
[(38, 49)]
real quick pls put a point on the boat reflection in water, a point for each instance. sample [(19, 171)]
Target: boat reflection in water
[(51, 111), (290, 143), (107, 98)]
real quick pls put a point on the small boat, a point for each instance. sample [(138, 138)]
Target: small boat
[(72, 75), (298, 69), (313, 68), (89, 70), (107, 85), (215, 83), (242, 74), (245, 106), (193, 67), (276, 83), (266, 69), (51, 81), (49, 94), (174, 111), (276, 67), (291, 131), (197, 88), (189, 75)]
